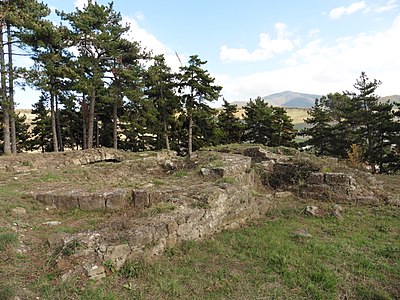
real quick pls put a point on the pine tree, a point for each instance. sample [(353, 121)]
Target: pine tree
[(258, 119), (41, 131), (283, 133), (97, 33), (321, 128), (230, 125), (160, 90), (197, 88), (17, 17)]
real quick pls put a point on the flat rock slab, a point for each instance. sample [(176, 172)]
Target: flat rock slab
[(112, 200)]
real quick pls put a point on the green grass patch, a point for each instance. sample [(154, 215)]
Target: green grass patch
[(181, 174), (357, 257), (50, 177), (159, 208), (7, 239)]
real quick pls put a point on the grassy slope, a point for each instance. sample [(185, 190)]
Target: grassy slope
[(354, 258)]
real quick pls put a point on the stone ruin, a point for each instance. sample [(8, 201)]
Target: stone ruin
[(230, 194)]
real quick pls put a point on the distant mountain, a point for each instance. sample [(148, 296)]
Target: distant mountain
[(300, 100), (287, 99), (292, 99), (393, 98)]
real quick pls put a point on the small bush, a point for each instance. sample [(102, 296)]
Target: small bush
[(355, 155), (292, 173)]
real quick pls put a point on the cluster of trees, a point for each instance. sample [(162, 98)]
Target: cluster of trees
[(101, 89), (342, 123), (98, 88)]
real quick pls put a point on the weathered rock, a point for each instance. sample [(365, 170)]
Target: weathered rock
[(95, 272), (367, 200), (393, 201), (205, 171), (337, 211), (117, 255), (312, 210), (18, 211), (91, 201), (171, 241), (117, 199), (52, 223), (302, 233), (141, 199), (338, 179), (172, 226), (66, 201), (259, 154), (283, 194), (141, 237), (316, 178), (45, 198)]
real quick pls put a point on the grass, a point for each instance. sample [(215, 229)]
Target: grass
[(357, 257), (354, 258), (7, 239), (158, 209)]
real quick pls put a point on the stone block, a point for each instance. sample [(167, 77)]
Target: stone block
[(258, 154), (160, 231), (172, 226), (141, 237), (171, 241), (116, 200), (367, 200), (283, 194), (46, 198), (218, 172), (156, 197), (316, 178), (141, 199), (65, 202), (184, 230), (95, 271), (117, 255), (91, 201), (339, 179)]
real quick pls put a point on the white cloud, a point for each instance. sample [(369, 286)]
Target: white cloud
[(139, 16), (314, 32), (389, 6), (80, 4), (268, 47), (338, 12), (320, 68), (151, 43)]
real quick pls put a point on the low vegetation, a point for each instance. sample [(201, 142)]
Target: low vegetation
[(354, 258)]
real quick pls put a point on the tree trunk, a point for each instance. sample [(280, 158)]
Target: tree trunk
[(166, 136), (11, 92), (5, 106), (115, 125), (84, 121), (91, 119), (97, 133), (190, 134), (53, 123), (58, 123)]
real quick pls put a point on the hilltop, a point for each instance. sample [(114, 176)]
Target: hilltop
[(100, 221), (290, 99)]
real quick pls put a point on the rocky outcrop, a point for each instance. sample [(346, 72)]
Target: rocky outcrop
[(198, 213), (224, 193)]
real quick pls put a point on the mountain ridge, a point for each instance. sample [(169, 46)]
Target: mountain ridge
[(291, 99)]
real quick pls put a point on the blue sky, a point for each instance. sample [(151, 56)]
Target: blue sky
[(259, 47)]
